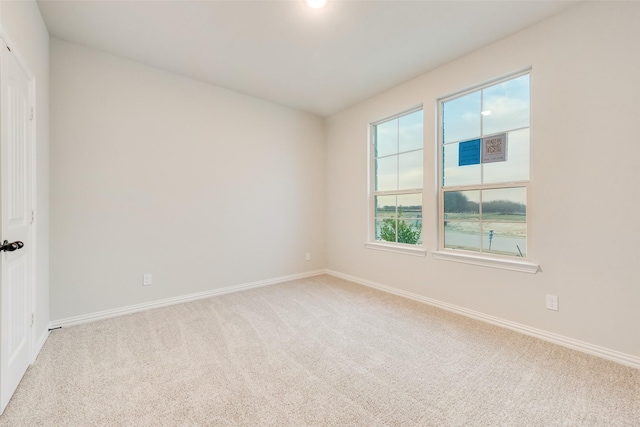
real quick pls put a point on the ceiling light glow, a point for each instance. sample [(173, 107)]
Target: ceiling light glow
[(316, 4)]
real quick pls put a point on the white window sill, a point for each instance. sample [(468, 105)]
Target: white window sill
[(505, 264), (399, 249)]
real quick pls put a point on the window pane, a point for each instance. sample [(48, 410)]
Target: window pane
[(398, 168), (410, 231), (486, 220), (457, 175), (411, 135), (462, 205), (410, 165), (410, 206), (387, 173), (505, 238), (386, 138), (385, 206), (461, 118), (504, 204), (516, 167), (386, 229), (506, 106), (462, 235)]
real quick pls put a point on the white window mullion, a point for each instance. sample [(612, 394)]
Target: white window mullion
[(481, 219), (481, 135)]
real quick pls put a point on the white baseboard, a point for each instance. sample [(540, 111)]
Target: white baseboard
[(605, 353), (92, 317)]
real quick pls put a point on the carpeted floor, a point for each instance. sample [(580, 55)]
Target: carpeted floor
[(318, 351)]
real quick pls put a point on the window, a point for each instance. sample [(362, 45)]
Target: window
[(484, 169), (397, 179)]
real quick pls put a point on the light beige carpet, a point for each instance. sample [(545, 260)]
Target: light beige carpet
[(319, 351)]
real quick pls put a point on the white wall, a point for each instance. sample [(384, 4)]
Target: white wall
[(155, 173), (21, 20), (585, 216)]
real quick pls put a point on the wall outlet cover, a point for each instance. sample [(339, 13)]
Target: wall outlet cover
[(147, 279), (552, 302)]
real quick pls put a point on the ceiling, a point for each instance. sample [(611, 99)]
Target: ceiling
[(316, 60)]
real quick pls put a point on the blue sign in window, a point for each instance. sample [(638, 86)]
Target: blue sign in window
[(469, 153)]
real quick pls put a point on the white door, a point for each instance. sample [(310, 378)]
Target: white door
[(15, 224)]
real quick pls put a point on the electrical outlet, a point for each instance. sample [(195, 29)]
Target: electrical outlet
[(552, 302), (147, 279), (308, 256)]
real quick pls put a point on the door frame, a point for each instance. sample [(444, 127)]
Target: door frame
[(35, 345)]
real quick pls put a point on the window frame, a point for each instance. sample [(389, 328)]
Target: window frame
[(372, 243), (482, 258)]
